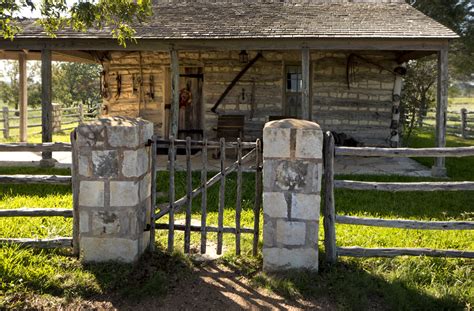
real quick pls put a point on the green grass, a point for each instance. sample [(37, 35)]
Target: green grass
[(403, 283)]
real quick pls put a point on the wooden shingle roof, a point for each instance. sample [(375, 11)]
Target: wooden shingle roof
[(276, 20)]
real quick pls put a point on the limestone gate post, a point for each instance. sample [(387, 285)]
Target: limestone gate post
[(292, 170), (113, 177)]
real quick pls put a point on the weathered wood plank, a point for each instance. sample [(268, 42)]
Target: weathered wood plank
[(404, 186), (189, 197), (305, 79), (394, 252), (40, 243), (238, 203), (329, 202), (181, 144), (23, 96), (220, 216), (258, 196), (46, 100), (35, 147), (405, 152), (171, 154), (179, 227), (153, 151), (35, 179), (406, 224), (204, 197), (36, 212), (75, 194), (174, 111)]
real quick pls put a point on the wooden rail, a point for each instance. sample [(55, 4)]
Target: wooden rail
[(459, 122), (35, 147), (36, 212), (62, 242), (331, 218), (35, 179), (406, 224)]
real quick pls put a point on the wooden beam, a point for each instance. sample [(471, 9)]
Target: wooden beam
[(406, 56), (46, 101), (349, 44), (61, 56), (234, 81), (174, 111), (23, 96), (439, 168), (305, 77)]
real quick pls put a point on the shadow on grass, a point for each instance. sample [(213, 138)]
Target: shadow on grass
[(346, 285)]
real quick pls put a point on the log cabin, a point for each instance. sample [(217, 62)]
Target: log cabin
[(225, 67)]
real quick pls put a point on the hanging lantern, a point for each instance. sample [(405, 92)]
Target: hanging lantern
[(243, 56)]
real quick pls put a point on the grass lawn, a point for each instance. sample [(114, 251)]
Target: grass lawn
[(54, 278)]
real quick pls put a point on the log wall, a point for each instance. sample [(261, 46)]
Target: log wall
[(363, 111)]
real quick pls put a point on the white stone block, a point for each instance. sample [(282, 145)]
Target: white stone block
[(274, 205), (105, 222), (305, 206), (124, 193), (145, 187), (290, 232), (108, 249), (277, 142), (135, 162), (123, 136), (85, 168), (91, 193), (284, 259), (83, 222), (309, 144)]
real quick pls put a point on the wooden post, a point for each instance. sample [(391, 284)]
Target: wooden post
[(171, 155), (189, 197), (23, 97), (6, 122), (153, 194), (75, 194), (174, 111), (220, 216), (258, 196), (439, 168), (204, 197), (305, 92), (329, 203), (464, 123), (81, 113), (238, 203), (46, 101)]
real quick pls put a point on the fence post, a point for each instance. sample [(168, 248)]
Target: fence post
[(329, 203), (292, 170), (6, 123), (464, 123), (81, 113)]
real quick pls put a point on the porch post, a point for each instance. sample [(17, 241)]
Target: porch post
[(174, 111), (305, 93), (439, 169), (23, 97), (46, 105)]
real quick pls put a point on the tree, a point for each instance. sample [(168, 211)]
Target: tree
[(76, 83), (116, 15), (457, 15), (9, 89)]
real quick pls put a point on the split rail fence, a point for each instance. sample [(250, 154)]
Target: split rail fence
[(331, 218), (246, 152), (458, 123), (69, 118), (59, 242)]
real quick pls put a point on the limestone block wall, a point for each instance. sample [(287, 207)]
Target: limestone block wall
[(113, 173), (57, 116), (292, 171), (362, 109)]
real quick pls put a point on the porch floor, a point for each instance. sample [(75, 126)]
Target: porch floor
[(343, 165)]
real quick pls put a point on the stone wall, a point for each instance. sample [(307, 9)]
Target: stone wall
[(114, 180), (292, 171), (363, 110)]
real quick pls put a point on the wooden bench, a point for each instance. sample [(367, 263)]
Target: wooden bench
[(230, 127)]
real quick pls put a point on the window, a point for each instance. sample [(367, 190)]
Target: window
[(294, 84)]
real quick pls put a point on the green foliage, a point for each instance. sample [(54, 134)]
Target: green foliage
[(117, 16), (9, 90), (76, 83)]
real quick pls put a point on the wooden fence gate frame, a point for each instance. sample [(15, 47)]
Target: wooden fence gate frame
[(174, 205), (331, 218)]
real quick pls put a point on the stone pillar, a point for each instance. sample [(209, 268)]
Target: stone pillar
[(114, 183), (56, 118), (292, 169)]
